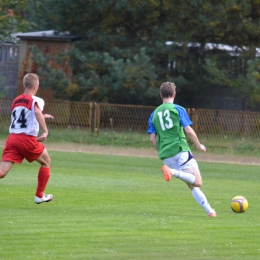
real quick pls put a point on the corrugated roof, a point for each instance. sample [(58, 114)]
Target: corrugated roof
[(232, 50), (50, 35)]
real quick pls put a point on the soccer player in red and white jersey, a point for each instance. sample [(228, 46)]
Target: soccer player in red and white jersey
[(23, 143)]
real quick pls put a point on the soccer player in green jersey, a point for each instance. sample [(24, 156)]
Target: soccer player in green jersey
[(166, 128)]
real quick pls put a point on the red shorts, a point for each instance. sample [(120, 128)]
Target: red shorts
[(21, 146)]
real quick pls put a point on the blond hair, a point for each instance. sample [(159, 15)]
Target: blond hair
[(30, 80)]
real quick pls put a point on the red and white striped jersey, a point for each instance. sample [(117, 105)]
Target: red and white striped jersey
[(23, 118)]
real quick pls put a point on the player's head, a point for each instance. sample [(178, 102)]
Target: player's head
[(31, 81), (167, 90)]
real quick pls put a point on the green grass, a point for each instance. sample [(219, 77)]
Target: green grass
[(105, 138), (114, 207), (215, 144)]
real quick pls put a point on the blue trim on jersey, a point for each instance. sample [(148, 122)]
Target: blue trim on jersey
[(184, 119), (190, 156), (151, 129)]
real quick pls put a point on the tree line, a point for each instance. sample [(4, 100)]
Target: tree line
[(129, 47)]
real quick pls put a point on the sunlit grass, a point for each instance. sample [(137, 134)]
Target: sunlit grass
[(112, 207), (214, 144)]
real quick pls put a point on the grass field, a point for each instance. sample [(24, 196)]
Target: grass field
[(215, 144), (114, 207)]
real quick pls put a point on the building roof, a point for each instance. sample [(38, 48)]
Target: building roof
[(232, 50), (50, 35)]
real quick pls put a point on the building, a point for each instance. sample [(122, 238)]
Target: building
[(9, 59), (49, 42)]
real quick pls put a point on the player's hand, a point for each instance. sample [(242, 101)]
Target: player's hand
[(42, 137), (202, 148), (48, 116)]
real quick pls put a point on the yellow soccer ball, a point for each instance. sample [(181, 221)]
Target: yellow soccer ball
[(239, 204)]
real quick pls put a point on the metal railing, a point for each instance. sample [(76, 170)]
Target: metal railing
[(94, 117), (228, 124)]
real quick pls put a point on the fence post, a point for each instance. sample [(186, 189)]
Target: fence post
[(188, 112), (191, 113), (95, 124), (195, 119), (90, 118)]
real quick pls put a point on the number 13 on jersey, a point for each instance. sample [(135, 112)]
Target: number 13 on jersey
[(165, 119)]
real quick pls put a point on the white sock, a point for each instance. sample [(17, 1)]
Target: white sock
[(201, 199), (184, 176)]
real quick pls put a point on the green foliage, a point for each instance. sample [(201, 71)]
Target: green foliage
[(236, 23), (12, 18), (55, 80), (233, 22), (245, 84), (114, 207), (107, 77), (123, 58)]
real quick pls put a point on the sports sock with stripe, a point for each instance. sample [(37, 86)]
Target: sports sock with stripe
[(201, 199)]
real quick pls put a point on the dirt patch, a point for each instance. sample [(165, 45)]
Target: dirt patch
[(141, 152)]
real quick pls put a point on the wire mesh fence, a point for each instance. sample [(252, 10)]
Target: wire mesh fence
[(71, 115), (226, 124), (123, 117), (93, 117)]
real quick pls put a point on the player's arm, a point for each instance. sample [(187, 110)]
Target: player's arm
[(186, 124), (153, 140), (152, 132), (41, 120), (48, 116), (192, 135)]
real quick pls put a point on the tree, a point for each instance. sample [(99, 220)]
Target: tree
[(236, 23), (57, 79), (123, 45), (12, 18), (112, 59)]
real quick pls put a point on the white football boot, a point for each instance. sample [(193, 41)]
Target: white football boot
[(45, 198)]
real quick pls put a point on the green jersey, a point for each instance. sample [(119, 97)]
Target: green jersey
[(171, 136)]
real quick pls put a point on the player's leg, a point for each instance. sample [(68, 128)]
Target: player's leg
[(43, 178), (35, 151), (5, 167), (197, 193), (187, 177), (195, 172), (200, 197), (182, 166), (10, 156)]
